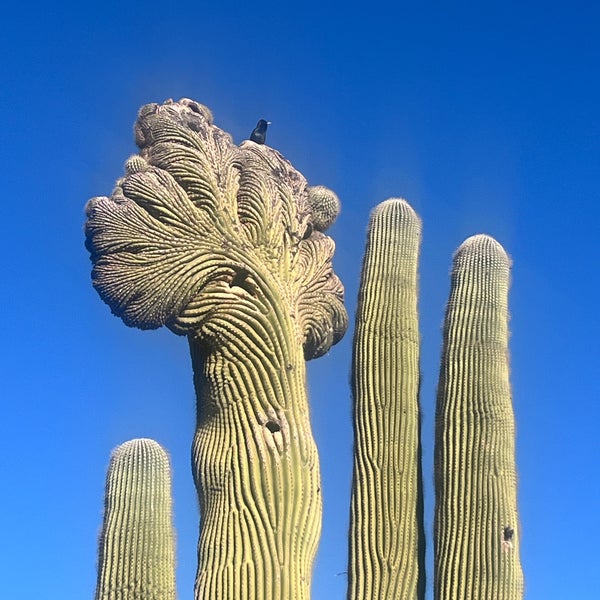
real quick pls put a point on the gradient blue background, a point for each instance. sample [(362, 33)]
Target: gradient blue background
[(485, 116)]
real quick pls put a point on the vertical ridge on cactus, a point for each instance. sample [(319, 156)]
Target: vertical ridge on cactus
[(475, 434), (137, 545), (386, 530)]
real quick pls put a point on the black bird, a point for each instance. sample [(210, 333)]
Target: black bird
[(259, 135)]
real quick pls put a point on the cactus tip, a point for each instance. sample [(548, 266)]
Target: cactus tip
[(483, 245)]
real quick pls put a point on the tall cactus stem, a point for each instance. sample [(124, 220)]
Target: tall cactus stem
[(137, 544), (476, 554), (386, 522)]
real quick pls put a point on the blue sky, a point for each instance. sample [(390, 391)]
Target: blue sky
[(484, 116)]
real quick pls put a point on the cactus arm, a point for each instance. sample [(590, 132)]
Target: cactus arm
[(386, 531), (137, 544), (475, 434)]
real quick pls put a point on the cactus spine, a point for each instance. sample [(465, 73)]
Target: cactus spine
[(475, 434), (386, 522), (137, 546)]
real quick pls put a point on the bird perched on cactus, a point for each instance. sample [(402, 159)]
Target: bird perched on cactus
[(259, 133)]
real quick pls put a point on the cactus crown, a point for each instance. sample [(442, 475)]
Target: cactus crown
[(198, 222)]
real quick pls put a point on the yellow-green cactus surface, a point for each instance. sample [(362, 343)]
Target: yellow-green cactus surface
[(137, 545), (224, 244), (476, 558), (386, 531)]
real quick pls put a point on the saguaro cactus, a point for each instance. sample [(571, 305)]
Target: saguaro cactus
[(386, 522), (137, 544), (475, 435), (217, 242)]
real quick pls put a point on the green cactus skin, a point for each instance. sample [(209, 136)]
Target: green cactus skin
[(137, 544), (475, 434), (215, 241), (223, 244), (386, 522)]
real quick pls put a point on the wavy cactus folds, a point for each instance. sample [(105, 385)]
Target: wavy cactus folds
[(225, 244), (137, 545), (195, 213), (475, 434), (386, 531)]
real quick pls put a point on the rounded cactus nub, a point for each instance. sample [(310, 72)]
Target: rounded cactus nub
[(324, 205), (135, 164), (386, 530), (198, 108), (137, 543), (476, 496)]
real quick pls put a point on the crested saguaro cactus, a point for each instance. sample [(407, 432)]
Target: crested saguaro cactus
[(476, 555), (386, 521), (137, 544), (217, 242)]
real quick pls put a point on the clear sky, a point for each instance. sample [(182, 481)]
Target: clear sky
[(483, 115)]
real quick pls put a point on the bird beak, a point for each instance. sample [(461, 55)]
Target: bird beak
[(268, 122)]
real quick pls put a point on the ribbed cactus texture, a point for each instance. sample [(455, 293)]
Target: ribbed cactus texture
[(218, 242), (386, 523), (325, 206), (137, 545), (475, 471)]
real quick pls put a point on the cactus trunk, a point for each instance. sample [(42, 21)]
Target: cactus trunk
[(386, 530), (137, 545), (475, 435), (255, 461)]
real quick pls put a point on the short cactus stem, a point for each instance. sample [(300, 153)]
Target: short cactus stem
[(476, 521), (386, 526), (137, 545), (325, 206)]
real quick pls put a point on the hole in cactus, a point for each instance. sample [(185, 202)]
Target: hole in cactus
[(240, 279), (273, 426)]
